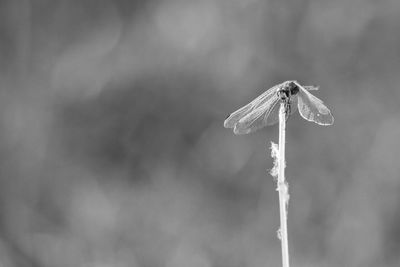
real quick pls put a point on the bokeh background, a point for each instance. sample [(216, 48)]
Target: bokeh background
[(113, 151)]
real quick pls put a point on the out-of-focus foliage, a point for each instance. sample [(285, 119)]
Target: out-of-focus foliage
[(113, 151)]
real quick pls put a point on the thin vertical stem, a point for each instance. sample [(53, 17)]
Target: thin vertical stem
[(282, 186)]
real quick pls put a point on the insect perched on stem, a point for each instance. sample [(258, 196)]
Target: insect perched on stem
[(263, 110)]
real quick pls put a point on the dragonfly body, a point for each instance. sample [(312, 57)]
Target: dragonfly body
[(285, 93), (263, 110)]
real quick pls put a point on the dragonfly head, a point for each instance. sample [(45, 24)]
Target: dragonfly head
[(287, 89)]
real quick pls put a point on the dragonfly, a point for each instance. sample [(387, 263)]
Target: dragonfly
[(264, 110)]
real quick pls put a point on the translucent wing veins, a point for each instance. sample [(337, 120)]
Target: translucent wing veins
[(243, 111), (313, 109)]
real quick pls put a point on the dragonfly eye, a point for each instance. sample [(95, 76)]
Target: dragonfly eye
[(294, 90)]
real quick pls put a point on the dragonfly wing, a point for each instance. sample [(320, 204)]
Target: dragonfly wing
[(311, 87), (272, 117), (245, 110), (313, 109), (293, 104), (237, 115), (256, 119)]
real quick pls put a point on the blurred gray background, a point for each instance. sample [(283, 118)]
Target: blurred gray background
[(113, 151)]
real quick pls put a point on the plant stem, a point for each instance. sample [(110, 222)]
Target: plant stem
[(282, 187)]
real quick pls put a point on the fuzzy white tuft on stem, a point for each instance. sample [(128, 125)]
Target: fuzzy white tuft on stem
[(282, 187)]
